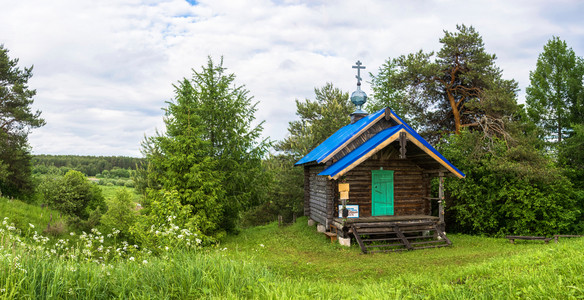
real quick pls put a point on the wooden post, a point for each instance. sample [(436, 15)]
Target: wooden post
[(279, 220), (293, 218), (441, 199), (402, 144)]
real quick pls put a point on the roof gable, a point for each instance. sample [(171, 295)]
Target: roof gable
[(380, 141), (344, 136)]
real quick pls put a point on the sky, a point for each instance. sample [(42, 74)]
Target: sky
[(103, 70)]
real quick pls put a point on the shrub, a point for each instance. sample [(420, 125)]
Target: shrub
[(120, 213), (129, 184), (73, 195), (170, 223), (507, 190)]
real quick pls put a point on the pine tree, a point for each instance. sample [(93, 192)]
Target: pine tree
[(16, 121)]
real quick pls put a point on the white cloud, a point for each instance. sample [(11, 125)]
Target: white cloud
[(103, 69)]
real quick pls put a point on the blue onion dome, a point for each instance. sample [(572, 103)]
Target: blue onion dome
[(358, 98)]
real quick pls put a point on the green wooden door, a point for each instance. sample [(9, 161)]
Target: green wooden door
[(381, 193)]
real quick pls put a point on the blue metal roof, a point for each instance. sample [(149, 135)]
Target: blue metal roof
[(338, 139), (345, 134), (367, 148)]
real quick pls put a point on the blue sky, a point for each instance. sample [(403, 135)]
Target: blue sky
[(104, 69)]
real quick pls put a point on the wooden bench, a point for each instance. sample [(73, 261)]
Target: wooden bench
[(332, 233), (558, 236), (512, 238)]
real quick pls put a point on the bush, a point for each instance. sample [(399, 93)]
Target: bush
[(507, 190), (129, 184), (73, 195), (120, 214), (170, 223)]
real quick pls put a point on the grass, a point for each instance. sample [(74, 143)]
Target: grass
[(296, 262), (109, 192), (298, 252), (23, 214)]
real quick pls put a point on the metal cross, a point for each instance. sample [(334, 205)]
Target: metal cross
[(358, 67)]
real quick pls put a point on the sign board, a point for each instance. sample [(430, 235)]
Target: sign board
[(344, 195), (343, 187), (353, 211)]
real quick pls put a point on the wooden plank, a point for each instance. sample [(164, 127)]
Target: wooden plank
[(358, 238), (403, 238)]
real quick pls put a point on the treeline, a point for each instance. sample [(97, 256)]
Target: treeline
[(88, 165)]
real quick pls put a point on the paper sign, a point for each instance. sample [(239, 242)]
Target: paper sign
[(353, 211), (344, 195), (343, 187)]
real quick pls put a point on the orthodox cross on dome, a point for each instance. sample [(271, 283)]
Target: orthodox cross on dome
[(358, 67)]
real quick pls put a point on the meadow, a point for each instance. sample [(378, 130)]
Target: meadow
[(272, 262)]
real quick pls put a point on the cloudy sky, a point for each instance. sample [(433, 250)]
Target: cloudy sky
[(104, 69)]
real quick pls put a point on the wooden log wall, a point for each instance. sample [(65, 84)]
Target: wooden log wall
[(306, 191), (410, 186), (319, 191)]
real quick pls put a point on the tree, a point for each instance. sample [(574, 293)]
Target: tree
[(319, 119), (209, 153), (555, 96), (16, 121), (73, 195), (571, 157), (447, 93)]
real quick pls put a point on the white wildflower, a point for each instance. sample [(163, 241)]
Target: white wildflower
[(31, 225), (144, 261), (132, 258)]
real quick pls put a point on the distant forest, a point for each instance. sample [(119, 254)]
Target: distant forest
[(88, 165)]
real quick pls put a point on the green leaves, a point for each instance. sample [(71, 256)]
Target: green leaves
[(444, 92), (507, 190), (16, 120), (209, 157), (319, 119), (554, 97)]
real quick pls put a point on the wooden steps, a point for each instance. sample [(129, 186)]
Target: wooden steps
[(398, 236)]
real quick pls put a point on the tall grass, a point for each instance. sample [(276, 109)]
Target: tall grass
[(294, 262), (546, 273)]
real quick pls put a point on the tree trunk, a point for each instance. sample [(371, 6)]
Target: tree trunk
[(455, 112)]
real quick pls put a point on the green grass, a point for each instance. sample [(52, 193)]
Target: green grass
[(296, 262), (299, 252), (23, 214), (109, 192)]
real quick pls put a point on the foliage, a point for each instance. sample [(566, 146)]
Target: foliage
[(448, 92), (16, 121), (73, 195), (555, 96), (120, 213), (208, 156), (120, 166), (319, 119), (161, 226), (507, 189), (285, 193), (571, 156)]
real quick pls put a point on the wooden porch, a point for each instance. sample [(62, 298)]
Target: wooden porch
[(394, 233)]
